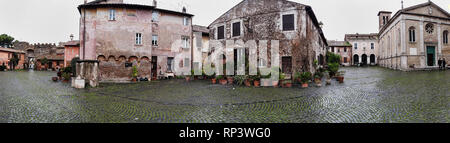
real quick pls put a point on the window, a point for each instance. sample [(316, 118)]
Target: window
[(332, 49), (412, 34), (112, 14), (339, 50), (185, 42), (262, 63), (345, 49), (169, 64), (356, 46), (186, 62), (185, 21), (155, 40), (221, 32), (236, 29), (288, 22), (155, 16), (429, 28), (445, 37), (138, 39), (372, 46), (345, 59)]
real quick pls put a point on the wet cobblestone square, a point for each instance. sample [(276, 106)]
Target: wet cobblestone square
[(373, 95)]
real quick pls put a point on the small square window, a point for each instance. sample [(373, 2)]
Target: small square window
[(185, 41), (155, 40), (155, 16), (185, 21), (138, 39), (112, 14)]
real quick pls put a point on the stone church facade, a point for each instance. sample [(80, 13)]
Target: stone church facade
[(414, 38)]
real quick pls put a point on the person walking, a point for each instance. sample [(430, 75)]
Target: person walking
[(444, 64)]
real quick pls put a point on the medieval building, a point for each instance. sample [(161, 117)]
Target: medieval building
[(414, 37), (342, 48), (121, 35), (294, 25), (42, 56), (365, 48)]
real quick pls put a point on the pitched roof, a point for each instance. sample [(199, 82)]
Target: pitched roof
[(11, 50), (333, 43), (405, 11), (98, 4), (72, 43), (198, 28)]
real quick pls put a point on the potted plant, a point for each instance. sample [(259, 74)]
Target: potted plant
[(213, 78), (340, 77), (240, 79), (248, 81), (333, 68), (134, 74), (222, 79), (66, 77), (297, 77), (305, 77), (266, 80), (318, 78), (256, 80), (44, 62), (230, 79), (276, 80), (287, 83)]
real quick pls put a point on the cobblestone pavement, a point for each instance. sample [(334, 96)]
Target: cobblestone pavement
[(368, 95)]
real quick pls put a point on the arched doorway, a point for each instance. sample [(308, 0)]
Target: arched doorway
[(355, 60), (364, 59), (372, 59)]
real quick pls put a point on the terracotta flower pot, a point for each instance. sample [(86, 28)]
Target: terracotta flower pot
[(288, 85), (247, 83), (54, 79), (223, 81), (275, 83), (214, 81), (340, 79), (230, 80), (188, 78), (256, 83), (134, 80), (304, 85)]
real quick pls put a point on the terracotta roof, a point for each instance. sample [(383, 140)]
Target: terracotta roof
[(11, 50), (198, 28), (333, 43)]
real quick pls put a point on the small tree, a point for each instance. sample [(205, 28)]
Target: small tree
[(14, 61), (44, 61), (134, 73), (6, 40)]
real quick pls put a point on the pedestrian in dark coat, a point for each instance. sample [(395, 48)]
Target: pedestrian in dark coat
[(444, 64)]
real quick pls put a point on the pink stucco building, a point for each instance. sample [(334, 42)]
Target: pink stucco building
[(121, 36)]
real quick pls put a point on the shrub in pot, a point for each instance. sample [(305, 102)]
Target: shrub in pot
[(256, 80), (222, 79), (66, 77), (305, 77), (240, 79), (230, 79), (287, 83), (134, 74)]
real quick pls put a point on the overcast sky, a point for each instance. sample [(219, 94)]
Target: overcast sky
[(52, 21)]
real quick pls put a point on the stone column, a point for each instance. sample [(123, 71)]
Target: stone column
[(421, 49)]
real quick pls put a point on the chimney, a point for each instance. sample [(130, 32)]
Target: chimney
[(155, 3), (184, 9)]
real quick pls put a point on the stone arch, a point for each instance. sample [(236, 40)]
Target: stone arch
[(133, 59), (372, 59), (145, 58), (355, 59), (364, 59), (111, 58), (122, 58), (101, 58)]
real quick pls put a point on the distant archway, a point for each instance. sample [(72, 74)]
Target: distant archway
[(355, 59), (364, 59), (372, 59)]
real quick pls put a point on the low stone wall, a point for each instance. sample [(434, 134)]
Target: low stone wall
[(87, 71)]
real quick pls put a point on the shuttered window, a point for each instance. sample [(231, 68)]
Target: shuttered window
[(221, 32), (236, 29), (288, 22)]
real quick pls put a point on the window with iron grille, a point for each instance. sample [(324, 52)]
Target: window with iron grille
[(155, 40), (138, 39)]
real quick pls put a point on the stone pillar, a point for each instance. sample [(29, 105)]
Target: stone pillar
[(421, 49), (87, 71)]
